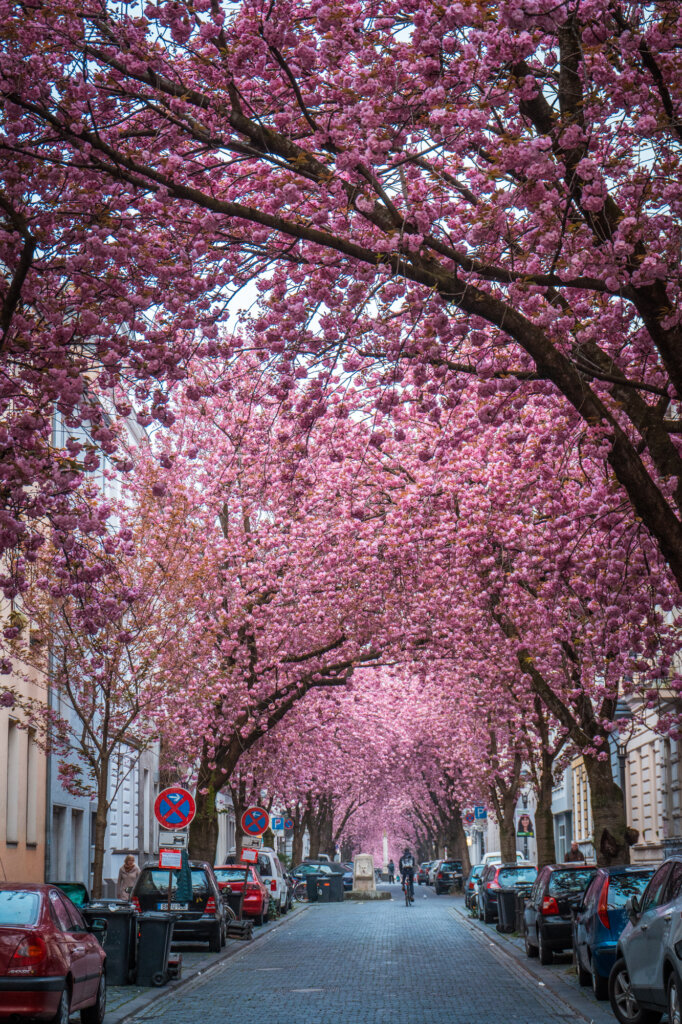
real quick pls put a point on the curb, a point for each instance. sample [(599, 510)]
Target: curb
[(151, 995), (583, 1006)]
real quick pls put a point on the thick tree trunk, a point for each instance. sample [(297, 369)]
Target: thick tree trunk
[(203, 831), (100, 830), (611, 833), (544, 820), (457, 843), (314, 833), (505, 820)]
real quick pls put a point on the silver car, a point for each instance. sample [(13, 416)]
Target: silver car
[(646, 979)]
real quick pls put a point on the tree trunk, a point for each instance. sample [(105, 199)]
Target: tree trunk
[(506, 805), (203, 831), (544, 820), (608, 814), (100, 829), (314, 833), (459, 841)]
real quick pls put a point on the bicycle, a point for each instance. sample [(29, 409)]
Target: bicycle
[(300, 892), (408, 889)]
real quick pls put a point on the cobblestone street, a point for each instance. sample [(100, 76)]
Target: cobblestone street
[(368, 963)]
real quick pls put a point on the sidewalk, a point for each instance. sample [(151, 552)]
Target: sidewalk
[(560, 978), (125, 1001)]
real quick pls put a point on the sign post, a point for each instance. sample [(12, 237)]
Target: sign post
[(174, 808), (255, 821)]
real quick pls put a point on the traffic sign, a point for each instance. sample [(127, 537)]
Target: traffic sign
[(249, 856), (255, 821), (469, 818), (277, 824), (174, 807), (480, 813), (288, 824)]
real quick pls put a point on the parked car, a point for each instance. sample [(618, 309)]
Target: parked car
[(471, 885), (548, 922), (348, 876), (256, 902), (495, 857), (433, 868), (51, 962), (646, 979), (497, 876), (201, 919), (449, 873), (599, 920), (272, 872), (423, 872)]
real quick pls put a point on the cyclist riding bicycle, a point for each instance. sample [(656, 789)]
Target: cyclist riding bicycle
[(407, 865)]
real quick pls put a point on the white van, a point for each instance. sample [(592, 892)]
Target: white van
[(496, 858)]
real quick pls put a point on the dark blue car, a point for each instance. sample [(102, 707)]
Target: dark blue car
[(600, 919)]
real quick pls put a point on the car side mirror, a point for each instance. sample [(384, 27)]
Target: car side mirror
[(98, 928), (633, 908)]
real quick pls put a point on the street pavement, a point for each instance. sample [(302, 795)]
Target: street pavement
[(372, 963)]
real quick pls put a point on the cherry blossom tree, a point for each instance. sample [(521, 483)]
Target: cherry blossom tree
[(475, 189)]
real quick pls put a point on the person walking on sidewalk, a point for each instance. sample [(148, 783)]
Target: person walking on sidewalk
[(127, 877), (391, 871), (574, 855)]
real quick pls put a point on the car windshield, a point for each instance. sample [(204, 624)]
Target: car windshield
[(477, 871), (152, 881), (567, 883), (622, 887), (235, 874), (451, 865), (514, 876), (18, 907)]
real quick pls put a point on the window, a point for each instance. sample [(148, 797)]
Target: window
[(17, 907), (592, 892), (675, 884), (654, 890), (622, 887), (568, 883), (12, 824), (59, 911), (514, 876), (31, 789)]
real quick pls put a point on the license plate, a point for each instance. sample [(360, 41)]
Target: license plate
[(173, 906)]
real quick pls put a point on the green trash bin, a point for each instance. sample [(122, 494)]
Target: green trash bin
[(154, 937), (120, 940)]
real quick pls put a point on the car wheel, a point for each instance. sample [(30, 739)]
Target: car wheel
[(488, 915), (600, 985), (623, 1001), (223, 935), (214, 940), (531, 950), (64, 1010), (584, 977), (545, 954), (95, 1014), (260, 919), (674, 1001)]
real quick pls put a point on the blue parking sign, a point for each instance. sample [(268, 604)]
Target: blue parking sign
[(480, 813)]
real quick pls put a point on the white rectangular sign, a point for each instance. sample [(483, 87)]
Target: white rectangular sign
[(176, 840), (170, 860)]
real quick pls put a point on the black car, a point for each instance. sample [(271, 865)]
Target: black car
[(202, 918), (496, 877), (449, 873), (548, 917)]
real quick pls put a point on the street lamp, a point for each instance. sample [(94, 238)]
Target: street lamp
[(623, 710)]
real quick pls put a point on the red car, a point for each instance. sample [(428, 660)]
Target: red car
[(51, 963), (257, 898)]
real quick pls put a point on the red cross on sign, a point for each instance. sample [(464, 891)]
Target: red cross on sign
[(255, 821), (174, 807)]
